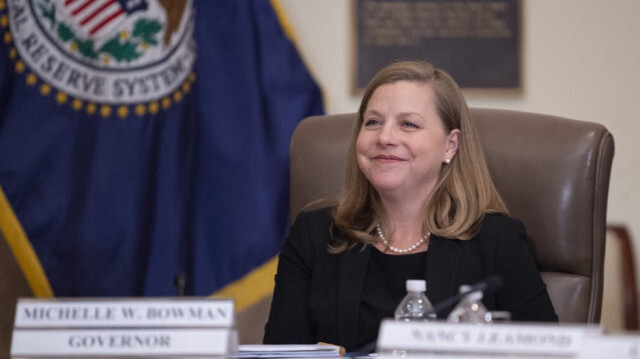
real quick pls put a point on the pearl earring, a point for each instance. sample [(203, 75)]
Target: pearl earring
[(447, 161)]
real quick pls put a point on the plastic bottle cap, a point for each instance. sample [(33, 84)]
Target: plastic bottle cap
[(416, 285)]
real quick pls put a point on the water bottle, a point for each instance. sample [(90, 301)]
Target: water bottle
[(470, 308), (415, 305)]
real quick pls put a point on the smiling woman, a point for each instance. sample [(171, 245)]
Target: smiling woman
[(402, 144), (463, 191), (418, 203)]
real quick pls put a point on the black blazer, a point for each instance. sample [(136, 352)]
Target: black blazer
[(317, 294)]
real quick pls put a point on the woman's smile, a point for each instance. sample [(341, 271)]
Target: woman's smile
[(388, 159)]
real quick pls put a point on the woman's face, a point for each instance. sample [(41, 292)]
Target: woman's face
[(402, 143)]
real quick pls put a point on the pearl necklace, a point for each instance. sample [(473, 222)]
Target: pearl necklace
[(398, 250)]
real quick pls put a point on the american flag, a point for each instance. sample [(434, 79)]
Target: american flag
[(95, 16)]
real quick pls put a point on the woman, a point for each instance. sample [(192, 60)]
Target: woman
[(418, 203)]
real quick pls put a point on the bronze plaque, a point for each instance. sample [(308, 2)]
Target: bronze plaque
[(476, 41)]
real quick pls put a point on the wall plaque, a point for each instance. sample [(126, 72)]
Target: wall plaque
[(476, 41)]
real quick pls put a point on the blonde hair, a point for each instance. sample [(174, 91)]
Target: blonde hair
[(465, 190)]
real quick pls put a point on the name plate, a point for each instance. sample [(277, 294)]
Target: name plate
[(116, 342), (618, 346), (119, 313), (124, 327), (498, 338)]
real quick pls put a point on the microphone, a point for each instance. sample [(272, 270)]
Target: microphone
[(180, 281), (493, 282)]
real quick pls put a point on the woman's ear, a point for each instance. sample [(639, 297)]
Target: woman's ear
[(452, 144)]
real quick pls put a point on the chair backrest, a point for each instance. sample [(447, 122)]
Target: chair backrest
[(620, 297), (552, 172)]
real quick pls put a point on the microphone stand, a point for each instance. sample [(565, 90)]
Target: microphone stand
[(180, 281)]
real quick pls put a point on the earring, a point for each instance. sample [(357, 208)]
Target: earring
[(447, 161)]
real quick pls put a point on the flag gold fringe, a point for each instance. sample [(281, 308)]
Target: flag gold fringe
[(22, 250), (252, 288)]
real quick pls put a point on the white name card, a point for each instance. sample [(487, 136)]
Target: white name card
[(113, 342), (122, 313), (124, 327), (618, 346), (498, 338)]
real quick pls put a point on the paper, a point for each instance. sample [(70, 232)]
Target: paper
[(288, 351)]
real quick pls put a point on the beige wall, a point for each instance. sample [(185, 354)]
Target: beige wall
[(581, 59)]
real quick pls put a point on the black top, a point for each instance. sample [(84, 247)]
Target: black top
[(318, 295), (384, 287)]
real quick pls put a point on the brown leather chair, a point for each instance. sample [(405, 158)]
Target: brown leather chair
[(552, 172), (620, 299)]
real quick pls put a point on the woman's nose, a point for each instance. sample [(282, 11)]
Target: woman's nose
[(387, 135)]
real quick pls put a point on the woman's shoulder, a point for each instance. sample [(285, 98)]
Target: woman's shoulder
[(499, 220), (321, 215), (500, 227), (313, 225)]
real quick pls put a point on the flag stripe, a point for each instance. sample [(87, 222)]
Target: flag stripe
[(80, 8), (96, 12), (106, 21)]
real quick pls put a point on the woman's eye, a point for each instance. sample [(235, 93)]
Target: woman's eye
[(372, 122), (409, 124)]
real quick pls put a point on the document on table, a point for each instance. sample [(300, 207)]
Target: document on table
[(289, 351)]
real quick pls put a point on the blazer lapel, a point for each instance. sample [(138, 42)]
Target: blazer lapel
[(442, 269), (352, 273)]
